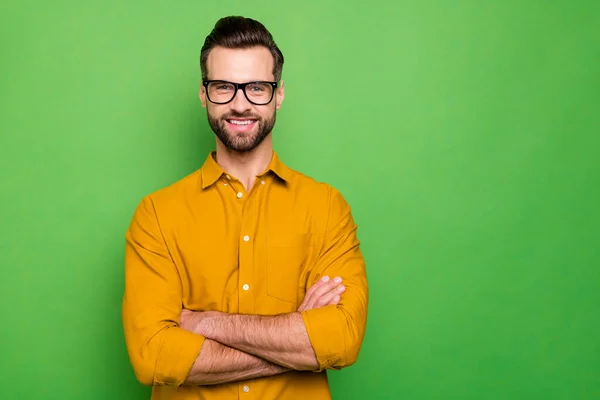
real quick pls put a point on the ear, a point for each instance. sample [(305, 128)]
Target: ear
[(202, 95), (279, 95)]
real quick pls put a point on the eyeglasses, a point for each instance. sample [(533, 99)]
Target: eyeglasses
[(222, 92)]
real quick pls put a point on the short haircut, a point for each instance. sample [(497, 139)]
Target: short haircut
[(241, 33)]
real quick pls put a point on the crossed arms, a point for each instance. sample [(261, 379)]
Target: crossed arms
[(171, 346), (238, 347)]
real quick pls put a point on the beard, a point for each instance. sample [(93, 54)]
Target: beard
[(241, 142)]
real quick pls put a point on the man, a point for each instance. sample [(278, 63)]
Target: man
[(245, 278)]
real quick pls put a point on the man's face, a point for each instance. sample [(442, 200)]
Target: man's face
[(239, 124)]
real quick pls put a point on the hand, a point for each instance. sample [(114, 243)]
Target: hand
[(190, 320), (323, 293)]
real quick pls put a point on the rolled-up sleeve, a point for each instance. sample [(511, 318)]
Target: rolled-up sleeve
[(337, 332), (160, 352)]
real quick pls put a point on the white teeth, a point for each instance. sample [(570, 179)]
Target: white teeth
[(245, 122)]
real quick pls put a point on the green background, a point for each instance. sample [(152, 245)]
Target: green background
[(464, 134)]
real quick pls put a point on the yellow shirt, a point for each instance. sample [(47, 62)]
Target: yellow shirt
[(203, 244)]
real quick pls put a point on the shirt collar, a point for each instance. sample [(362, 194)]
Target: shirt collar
[(279, 168), (211, 171)]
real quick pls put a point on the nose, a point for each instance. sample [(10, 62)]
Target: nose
[(240, 103)]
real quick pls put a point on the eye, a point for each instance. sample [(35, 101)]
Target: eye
[(257, 88), (220, 86)]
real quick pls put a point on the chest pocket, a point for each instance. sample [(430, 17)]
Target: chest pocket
[(287, 254)]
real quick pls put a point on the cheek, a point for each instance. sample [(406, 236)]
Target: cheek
[(215, 112), (266, 112)]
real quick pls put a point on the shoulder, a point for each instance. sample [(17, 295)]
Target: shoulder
[(180, 188), (322, 192), (174, 194)]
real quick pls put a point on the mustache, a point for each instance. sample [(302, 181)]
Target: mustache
[(241, 115)]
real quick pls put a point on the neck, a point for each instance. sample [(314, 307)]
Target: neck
[(245, 166)]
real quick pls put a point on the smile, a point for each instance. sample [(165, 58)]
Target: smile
[(241, 122)]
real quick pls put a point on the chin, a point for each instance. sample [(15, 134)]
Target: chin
[(233, 142)]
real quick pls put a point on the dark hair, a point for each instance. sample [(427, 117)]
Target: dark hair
[(241, 33)]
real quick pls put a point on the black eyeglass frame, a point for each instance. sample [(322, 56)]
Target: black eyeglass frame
[(238, 86)]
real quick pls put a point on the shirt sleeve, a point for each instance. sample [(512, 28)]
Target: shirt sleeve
[(160, 352), (337, 332)]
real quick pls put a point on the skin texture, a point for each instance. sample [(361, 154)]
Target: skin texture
[(251, 346)]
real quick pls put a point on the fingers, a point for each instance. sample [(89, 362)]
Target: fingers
[(322, 287), (308, 299), (186, 319), (317, 285), (331, 297), (327, 287)]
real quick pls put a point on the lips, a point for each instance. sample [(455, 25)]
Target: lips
[(241, 125)]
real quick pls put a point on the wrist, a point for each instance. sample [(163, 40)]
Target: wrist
[(205, 324)]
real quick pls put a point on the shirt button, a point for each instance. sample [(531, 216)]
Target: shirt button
[(224, 184), (262, 182), (246, 287), (227, 176), (246, 238), (246, 389), (239, 195)]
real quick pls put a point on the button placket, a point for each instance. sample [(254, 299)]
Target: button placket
[(245, 264), (246, 253), (236, 187)]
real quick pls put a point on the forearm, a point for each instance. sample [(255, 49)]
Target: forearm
[(218, 364), (281, 339)]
